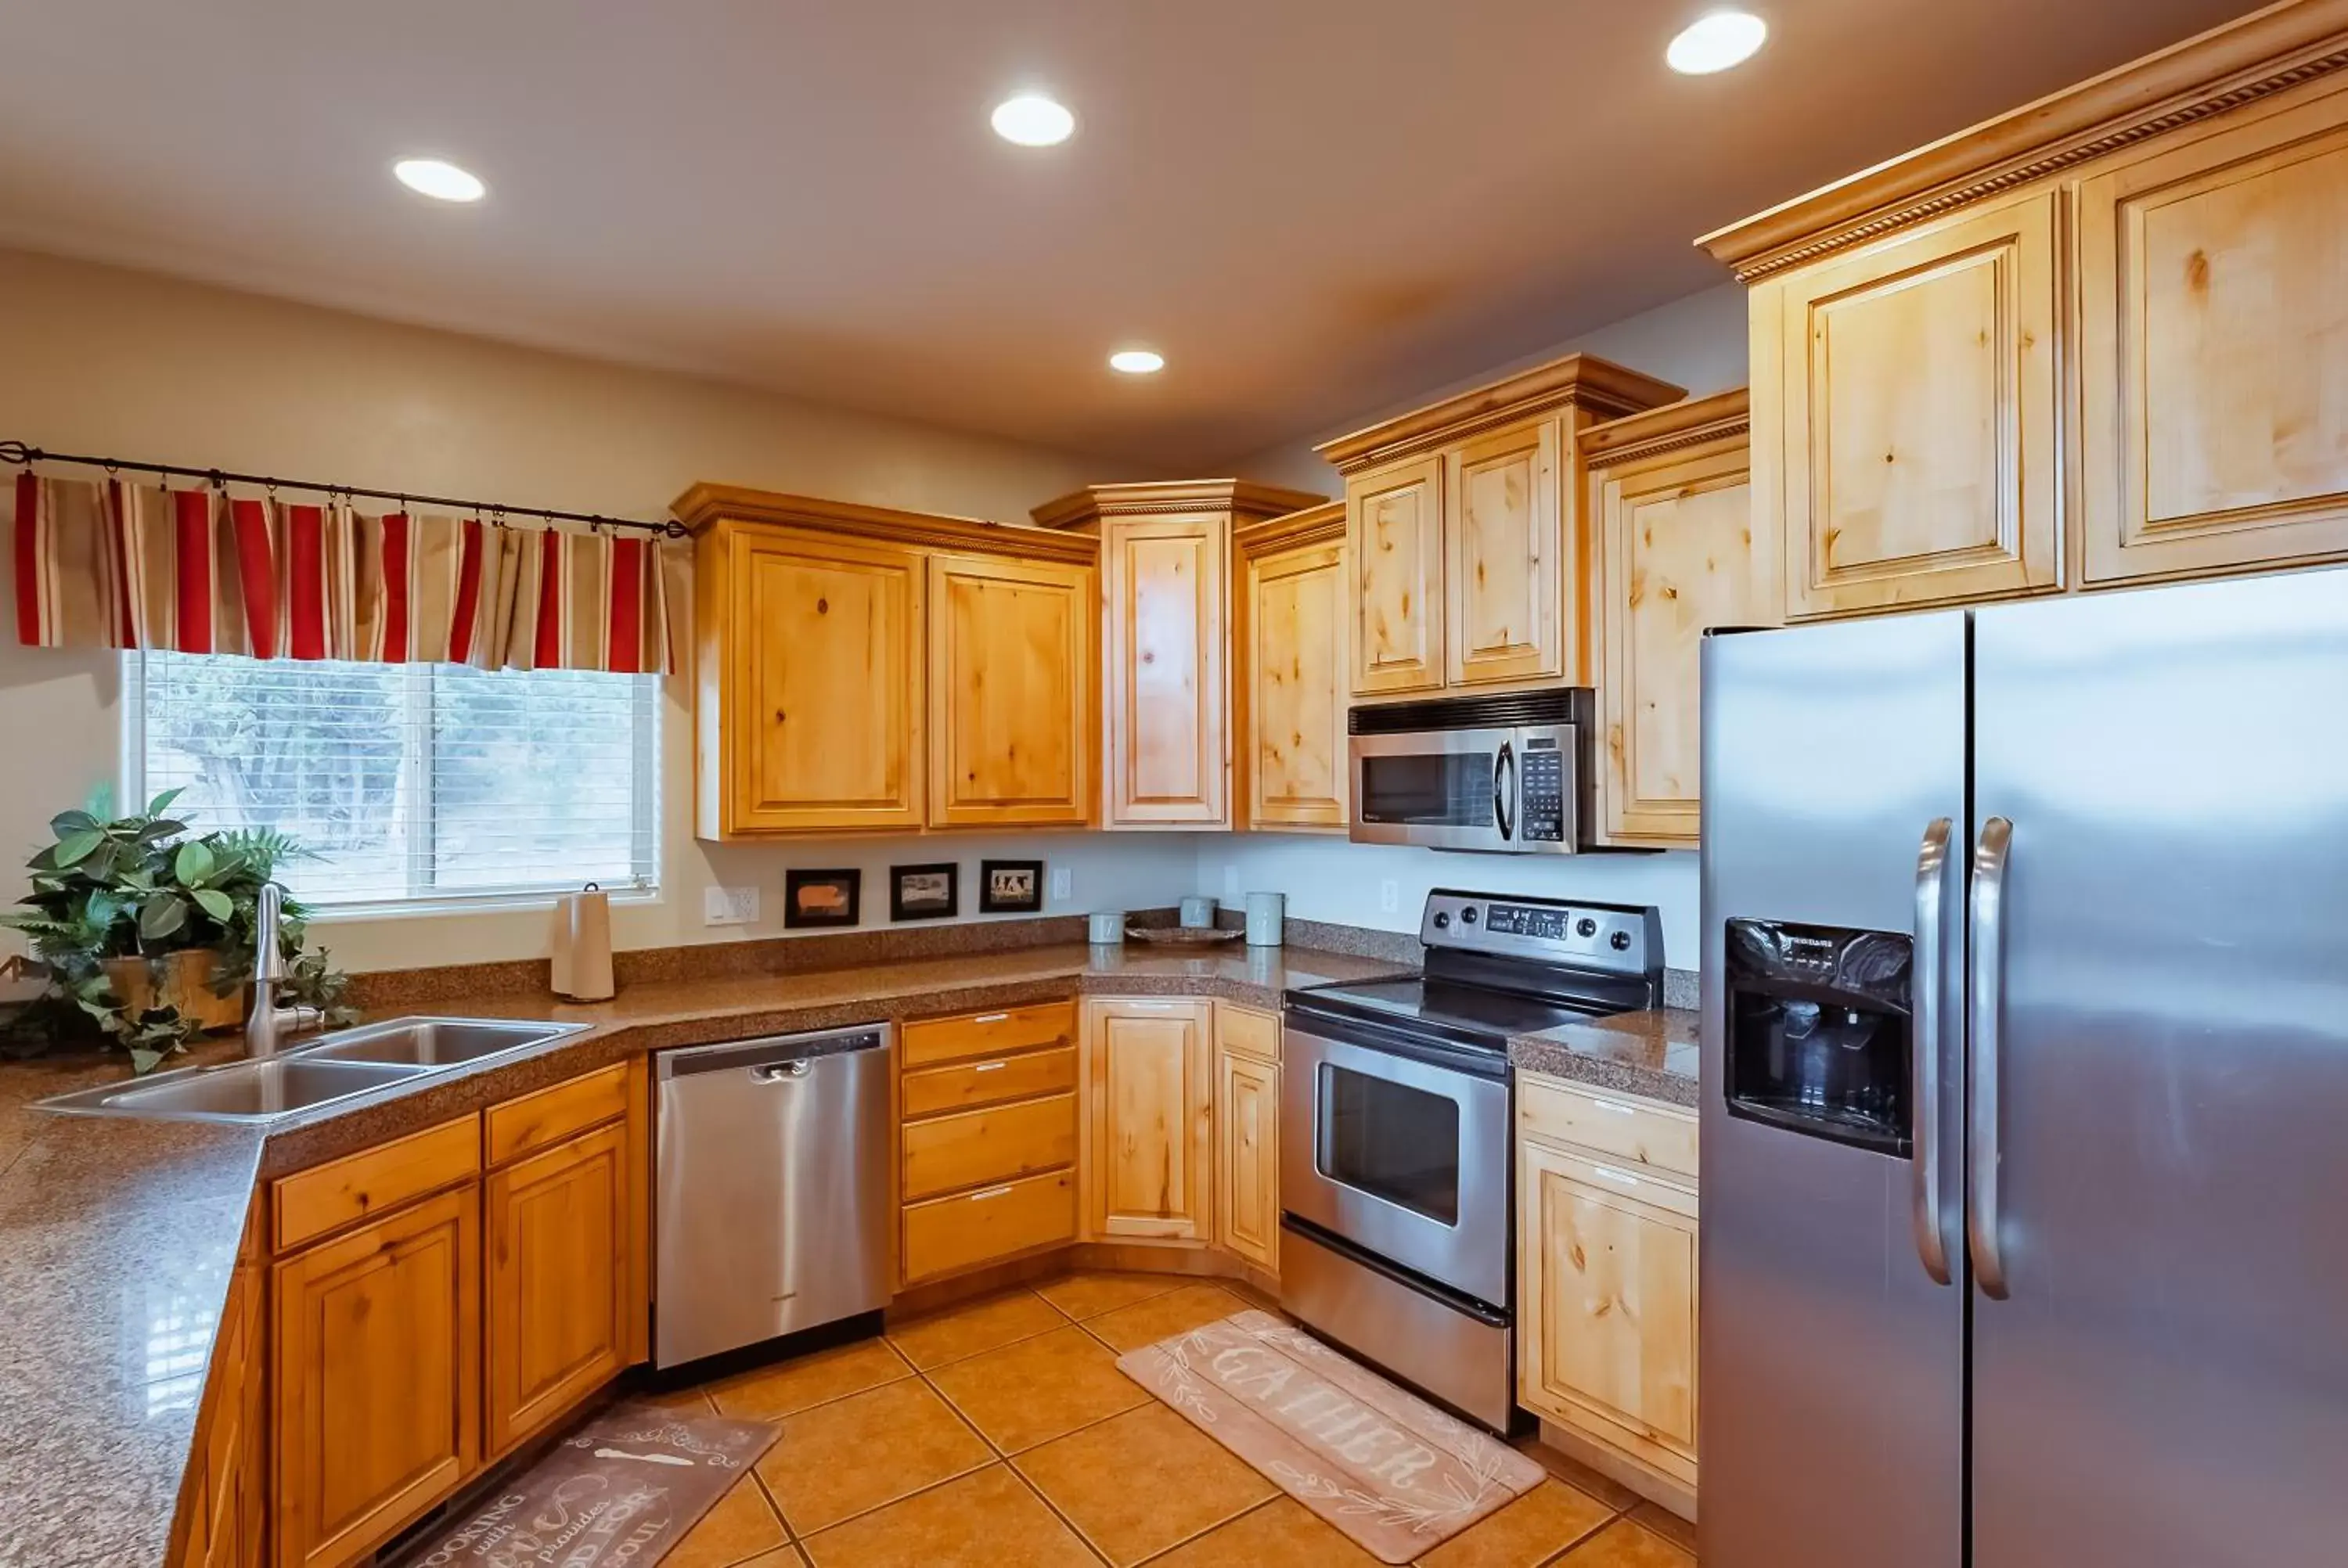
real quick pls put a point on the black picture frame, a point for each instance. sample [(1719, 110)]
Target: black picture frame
[(798, 884), (903, 908), (991, 902)]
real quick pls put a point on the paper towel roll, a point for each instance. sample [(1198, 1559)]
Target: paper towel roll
[(583, 971)]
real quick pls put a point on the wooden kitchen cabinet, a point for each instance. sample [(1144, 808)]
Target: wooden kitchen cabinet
[(1681, 551), (1010, 692), (1607, 1280), (1247, 1134), (557, 1287), (1292, 615), (812, 668), (376, 1377), (1467, 548), (1173, 708), (862, 669), (221, 1513), (1149, 1112), (2211, 302)]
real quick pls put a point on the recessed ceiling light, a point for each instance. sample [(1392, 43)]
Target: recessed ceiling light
[(440, 181), (1716, 42), (1138, 361), (1031, 120)]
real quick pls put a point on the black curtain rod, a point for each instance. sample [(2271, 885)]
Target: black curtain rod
[(18, 451)]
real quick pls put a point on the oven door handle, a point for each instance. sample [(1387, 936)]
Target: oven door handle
[(1504, 791)]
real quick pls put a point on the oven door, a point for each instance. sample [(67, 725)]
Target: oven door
[(1446, 789), (1400, 1151)]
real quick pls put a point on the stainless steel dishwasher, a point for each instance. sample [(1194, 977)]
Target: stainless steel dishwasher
[(772, 1170)]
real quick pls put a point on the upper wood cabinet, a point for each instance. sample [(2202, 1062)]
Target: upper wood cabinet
[(1148, 1120), (2086, 344), (1292, 618), (1466, 552), (1681, 551), (1172, 709), (865, 670), (1011, 691)]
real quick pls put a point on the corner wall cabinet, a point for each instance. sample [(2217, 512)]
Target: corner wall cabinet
[(1606, 1281), (1293, 670), (1468, 555), (1680, 551), (2084, 344), (864, 669), (1173, 706)]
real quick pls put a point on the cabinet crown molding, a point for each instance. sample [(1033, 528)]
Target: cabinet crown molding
[(1578, 380), (1691, 422), (1323, 523), (2264, 52), (706, 505), (1243, 498)]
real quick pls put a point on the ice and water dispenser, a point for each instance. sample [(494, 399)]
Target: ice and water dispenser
[(1818, 1036)]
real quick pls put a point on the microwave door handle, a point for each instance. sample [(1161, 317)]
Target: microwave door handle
[(1504, 791)]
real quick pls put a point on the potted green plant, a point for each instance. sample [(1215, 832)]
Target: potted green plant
[(149, 929)]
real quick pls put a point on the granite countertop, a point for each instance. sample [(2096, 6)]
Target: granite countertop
[(1652, 1053), (118, 1236)]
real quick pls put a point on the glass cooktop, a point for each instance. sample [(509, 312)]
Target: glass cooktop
[(1477, 1014)]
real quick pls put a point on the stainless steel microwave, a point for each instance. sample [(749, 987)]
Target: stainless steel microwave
[(1504, 774)]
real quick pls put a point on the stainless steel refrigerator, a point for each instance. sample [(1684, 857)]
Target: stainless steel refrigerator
[(2025, 1107)]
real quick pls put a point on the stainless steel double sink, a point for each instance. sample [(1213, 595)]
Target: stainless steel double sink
[(334, 1067)]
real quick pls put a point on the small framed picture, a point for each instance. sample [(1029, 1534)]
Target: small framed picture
[(924, 892), (1010, 887), (821, 898)]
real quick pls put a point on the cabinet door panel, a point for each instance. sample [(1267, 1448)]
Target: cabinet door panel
[(1393, 550), (2213, 299), (1682, 554), (1296, 710), (826, 655), (1920, 417), (1507, 558), (558, 1282), (1611, 1284), (377, 1378), (1011, 714), (1247, 1132), (1149, 1106), (1168, 707)]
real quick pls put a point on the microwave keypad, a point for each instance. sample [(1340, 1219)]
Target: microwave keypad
[(1544, 796)]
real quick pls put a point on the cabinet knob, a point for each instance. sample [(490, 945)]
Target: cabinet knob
[(778, 716), (823, 606)]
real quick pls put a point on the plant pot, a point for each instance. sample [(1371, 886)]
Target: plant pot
[(181, 980)]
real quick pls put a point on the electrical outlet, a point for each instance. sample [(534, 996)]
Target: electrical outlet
[(1063, 884), (1389, 897), (729, 905)]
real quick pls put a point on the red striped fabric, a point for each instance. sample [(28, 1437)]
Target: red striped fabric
[(546, 652), (397, 587), (256, 570), (468, 610), (191, 527), (120, 522), (28, 561), (625, 614), (305, 583)]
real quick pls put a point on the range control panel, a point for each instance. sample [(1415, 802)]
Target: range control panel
[(1627, 938)]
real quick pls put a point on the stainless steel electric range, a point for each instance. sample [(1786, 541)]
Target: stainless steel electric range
[(1396, 1165)]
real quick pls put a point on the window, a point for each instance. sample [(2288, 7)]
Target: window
[(412, 782)]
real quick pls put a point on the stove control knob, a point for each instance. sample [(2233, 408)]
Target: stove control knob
[(1620, 941), (1468, 914), (1442, 920), (1586, 927)]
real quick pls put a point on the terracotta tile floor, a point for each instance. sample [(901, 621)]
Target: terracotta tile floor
[(1001, 1432)]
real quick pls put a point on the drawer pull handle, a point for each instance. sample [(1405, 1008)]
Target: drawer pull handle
[(1612, 1174), (990, 1192), (990, 1067), (991, 1017), (1618, 1110)]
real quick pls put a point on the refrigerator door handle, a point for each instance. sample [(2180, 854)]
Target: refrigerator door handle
[(1932, 980), (1984, 1027)]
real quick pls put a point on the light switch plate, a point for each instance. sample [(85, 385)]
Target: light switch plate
[(1063, 884), (1389, 897), (729, 905)]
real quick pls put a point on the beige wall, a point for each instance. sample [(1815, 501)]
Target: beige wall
[(98, 360)]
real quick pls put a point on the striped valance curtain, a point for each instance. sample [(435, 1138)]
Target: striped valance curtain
[(112, 564)]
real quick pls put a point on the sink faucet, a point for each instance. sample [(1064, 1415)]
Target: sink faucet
[(264, 1020)]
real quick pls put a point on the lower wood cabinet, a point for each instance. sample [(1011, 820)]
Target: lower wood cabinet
[(1247, 1134), (558, 1286), (376, 1377), (1606, 1283), (1149, 1111), (222, 1517)]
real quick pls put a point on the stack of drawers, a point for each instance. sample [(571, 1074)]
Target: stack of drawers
[(988, 1148)]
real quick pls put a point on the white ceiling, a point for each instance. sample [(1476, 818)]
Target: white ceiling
[(1314, 208)]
